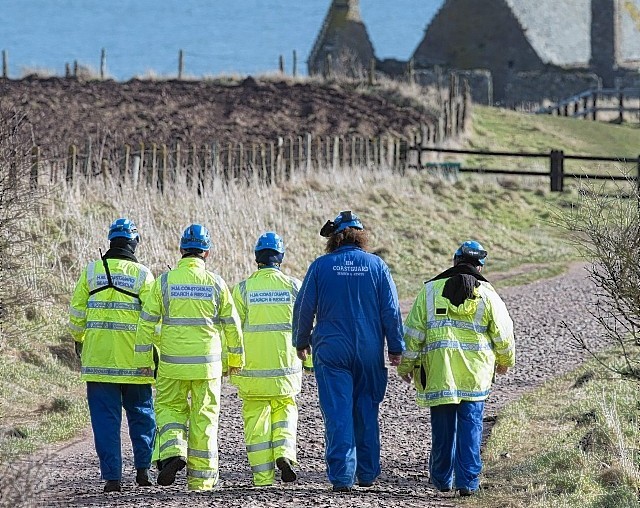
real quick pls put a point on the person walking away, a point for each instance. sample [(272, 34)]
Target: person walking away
[(458, 334), (195, 313), (272, 375), (104, 311), (353, 299)]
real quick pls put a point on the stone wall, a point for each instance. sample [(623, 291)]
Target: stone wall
[(547, 86)]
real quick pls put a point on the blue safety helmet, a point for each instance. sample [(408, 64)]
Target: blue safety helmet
[(123, 228), (195, 236), (471, 251), (346, 220), (270, 240)]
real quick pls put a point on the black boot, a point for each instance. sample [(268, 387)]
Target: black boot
[(168, 470), (287, 473), (142, 477), (113, 486)]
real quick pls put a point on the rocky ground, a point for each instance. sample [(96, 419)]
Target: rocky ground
[(545, 350), (62, 111)]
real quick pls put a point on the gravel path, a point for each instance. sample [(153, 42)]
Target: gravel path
[(544, 350)]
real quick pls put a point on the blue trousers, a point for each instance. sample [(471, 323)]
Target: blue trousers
[(456, 435), (349, 402), (106, 401)]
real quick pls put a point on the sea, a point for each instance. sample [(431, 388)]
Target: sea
[(143, 38)]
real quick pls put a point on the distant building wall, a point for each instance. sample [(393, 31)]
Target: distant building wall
[(553, 86), (462, 35), (604, 40), (344, 38)]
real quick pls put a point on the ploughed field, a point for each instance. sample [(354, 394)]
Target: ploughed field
[(544, 350), (64, 111)]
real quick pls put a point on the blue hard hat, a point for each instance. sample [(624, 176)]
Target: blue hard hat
[(195, 236), (347, 219), (270, 240), (123, 228), (471, 251)]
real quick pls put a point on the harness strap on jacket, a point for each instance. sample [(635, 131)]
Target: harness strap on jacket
[(110, 284)]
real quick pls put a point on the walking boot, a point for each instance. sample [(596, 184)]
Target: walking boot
[(142, 477), (286, 471), (168, 470), (113, 486)]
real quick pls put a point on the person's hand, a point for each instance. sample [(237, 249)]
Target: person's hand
[(394, 359), (501, 369), (146, 371), (233, 371), (303, 353), (407, 378)]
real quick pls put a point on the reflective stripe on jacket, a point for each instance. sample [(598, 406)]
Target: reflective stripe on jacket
[(452, 351), (106, 322), (265, 305), (195, 311)]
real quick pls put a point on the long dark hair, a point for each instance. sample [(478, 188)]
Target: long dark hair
[(352, 236)]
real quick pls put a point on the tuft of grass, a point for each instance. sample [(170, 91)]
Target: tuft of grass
[(571, 443)]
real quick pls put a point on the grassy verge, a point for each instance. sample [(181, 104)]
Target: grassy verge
[(572, 443)]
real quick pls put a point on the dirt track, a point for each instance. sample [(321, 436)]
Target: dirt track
[(544, 351)]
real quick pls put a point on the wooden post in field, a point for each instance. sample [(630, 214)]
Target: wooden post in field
[(162, 171), (292, 163), (135, 171), (620, 106), (344, 159), (153, 171), (35, 164), (75, 68), (71, 163), (190, 165), (103, 63), (308, 148), (141, 151), (5, 64), (638, 181), (263, 163), (88, 170), (335, 160), (557, 170), (240, 157), (104, 169), (411, 72), (180, 63), (272, 164), (295, 63), (328, 64), (300, 152), (205, 157), (227, 166), (281, 64), (253, 161), (125, 167), (177, 169)]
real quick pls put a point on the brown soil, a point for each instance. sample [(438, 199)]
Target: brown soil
[(62, 111)]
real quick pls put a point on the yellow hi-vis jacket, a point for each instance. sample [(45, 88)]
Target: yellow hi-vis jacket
[(196, 315), (265, 304), (452, 351), (106, 322)]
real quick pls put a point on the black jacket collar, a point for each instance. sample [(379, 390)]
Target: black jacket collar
[(461, 269)]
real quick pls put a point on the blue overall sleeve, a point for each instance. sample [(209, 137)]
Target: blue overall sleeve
[(304, 310), (390, 313)]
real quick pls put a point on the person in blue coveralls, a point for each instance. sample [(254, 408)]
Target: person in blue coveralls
[(353, 299)]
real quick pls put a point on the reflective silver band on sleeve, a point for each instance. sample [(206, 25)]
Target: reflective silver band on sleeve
[(235, 350), (456, 323), (416, 334), (227, 320), (91, 276), (430, 301), (143, 348), (149, 317), (142, 276), (455, 344), (410, 355), (164, 288), (479, 316), (287, 443), (243, 291), (77, 313), (280, 425), (75, 327), (258, 447)]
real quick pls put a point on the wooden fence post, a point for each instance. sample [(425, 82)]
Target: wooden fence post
[(594, 106), (71, 163), (620, 106), (125, 167), (177, 169), (35, 164), (281, 64), (103, 63), (557, 170), (162, 172), (87, 170), (152, 174), (295, 63), (104, 169), (638, 182), (372, 72), (292, 160), (308, 148), (191, 164), (5, 64), (180, 63)]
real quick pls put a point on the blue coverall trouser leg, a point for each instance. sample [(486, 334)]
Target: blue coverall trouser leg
[(106, 401), (352, 431), (456, 435)]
